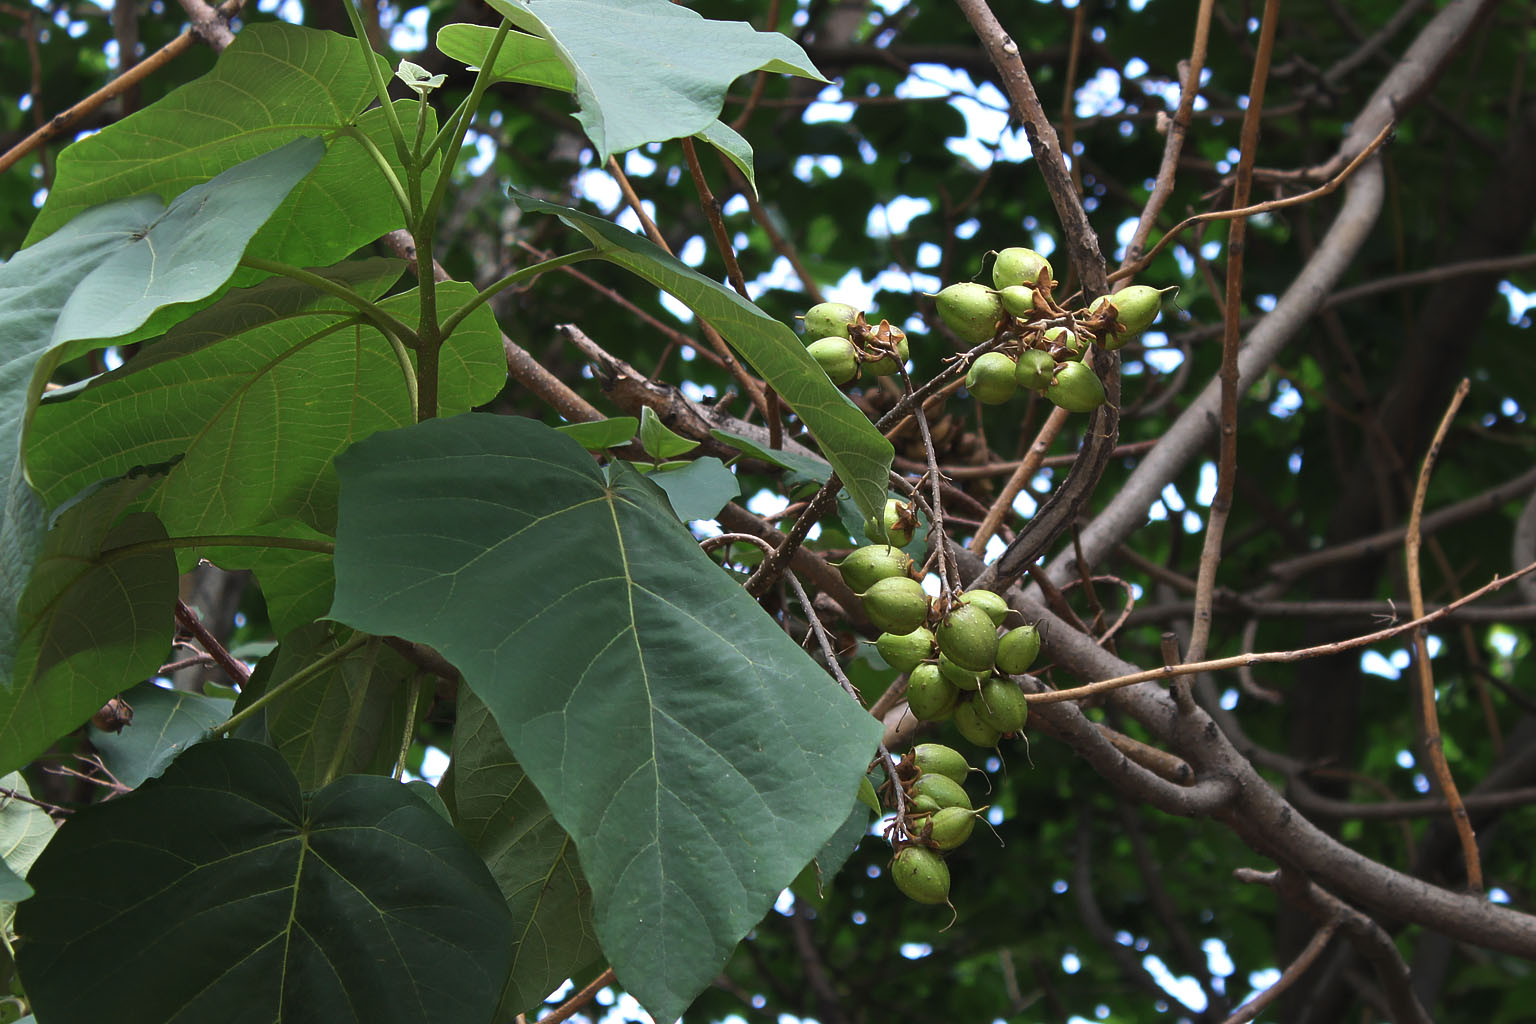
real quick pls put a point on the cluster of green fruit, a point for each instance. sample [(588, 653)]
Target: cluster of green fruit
[(957, 664), (1043, 344), (937, 818), (844, 344)]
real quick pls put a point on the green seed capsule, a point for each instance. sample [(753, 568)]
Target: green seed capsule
[(945, 790), (968, 635), (1018, 649), (1076, 388), (1018, 300), (971, 310), (1019, 265), (968, 723), (993, 604), (952, 826), (837, 357), (991, 378), (930, 696), (886, 366), (960, 678), (903, 651), (937, 759), (866, 566), (893, 527), (921, 874), (1035, 369), (829, 320), (1001, 705), (896, 605)]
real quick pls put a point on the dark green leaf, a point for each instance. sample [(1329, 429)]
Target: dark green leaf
[(232, 896), (596, 435), (632, 679), (698, 489), (165, 722), (860, 453), (92, 622), (506, 821)]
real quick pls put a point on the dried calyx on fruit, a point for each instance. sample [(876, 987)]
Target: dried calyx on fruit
[(884, 348), (896, 525)]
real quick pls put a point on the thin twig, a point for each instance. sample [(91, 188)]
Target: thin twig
[(1268, 657), (1433, 742), (568, 1008), (1292, 973), (233, 666), (1221, 503), (1026, 468)]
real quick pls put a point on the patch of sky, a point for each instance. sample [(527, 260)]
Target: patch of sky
[(829, 106), (687, 353), (697, 392), (995, 815), (916, 950), (484, 148), (1185, 261), (433, 763), (1192, 522), (895, 217), (112, 358), (1511, 408), (1205, 492), (767, 503), (629, 222), (1043, 243), (1497, 895), (1405, 759), (1387, 667), (1185, 989), (806, 166), (1293, 462), (1210, 250), (409, 34), (858, 917), (1173, 499), (780, 276), (1228, 699), (291, 11), (1059, 886), (1266, 303), (1520, 303), (692, 252), (929, 255), (1163, 360), (1420, 782), (1157, 512), (1025, 504), (785, 904), (968, 228), (1100, 95), (599, 188), (984, 108), (734, 205), (994, 550), (1070, 962), (39, 197), (1286, 402), (1503, 640), (1124, 232), (705, 528), (676, 308), (931, 585), (638, 165)]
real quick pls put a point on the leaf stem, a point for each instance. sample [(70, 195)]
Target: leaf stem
[(371, 58), (409, 735), (372, 310), (359, 697), (491, 290), (221, 540), (359, 136), (299, 678)]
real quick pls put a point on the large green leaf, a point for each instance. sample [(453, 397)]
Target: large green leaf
[(506, 821), (355, 706), (534, 60), (25, 830), (165, 723), (860, 453), (235, 897), (102, 276), (252, 398), (296, 583), (94, 620), (695, 753), (274, 83), (700, 489), (631, 86)]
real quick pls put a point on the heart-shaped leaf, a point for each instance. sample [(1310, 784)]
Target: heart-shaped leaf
[(219, 891), (696, 754)]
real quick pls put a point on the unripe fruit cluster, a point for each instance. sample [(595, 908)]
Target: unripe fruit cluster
[(845, 345), (1042, 344), (957, 664), (936, 817)]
